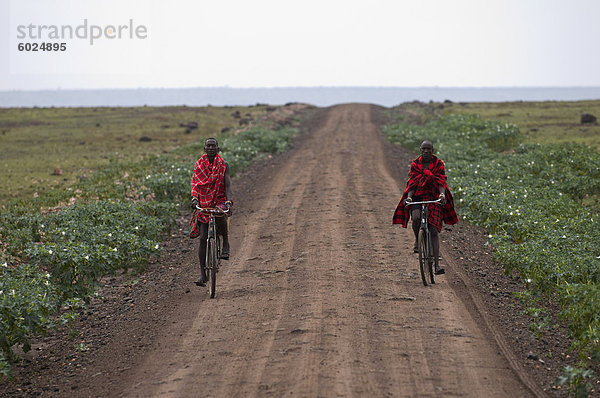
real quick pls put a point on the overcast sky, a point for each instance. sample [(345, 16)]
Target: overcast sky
[(276, 43)]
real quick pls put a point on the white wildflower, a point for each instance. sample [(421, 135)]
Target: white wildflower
[(50, 251), (47, 275), (87, 257), (5, 265), (64, 233), (110, 234), (115, 249), (156, 247)]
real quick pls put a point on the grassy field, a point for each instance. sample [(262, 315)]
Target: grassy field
[(54, 248), (42, 148), (540, 122)]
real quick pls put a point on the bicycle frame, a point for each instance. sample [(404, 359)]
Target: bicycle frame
[(425, 227), (428, 255), (213, 246), (424, 212)]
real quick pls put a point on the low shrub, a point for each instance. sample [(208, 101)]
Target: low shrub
[(111, 221), (529, 197)]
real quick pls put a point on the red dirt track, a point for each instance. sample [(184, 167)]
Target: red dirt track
[(321, 298), (317, 301)]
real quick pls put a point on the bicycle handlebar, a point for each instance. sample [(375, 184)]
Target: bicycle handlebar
[(437, 201), (214, 210)]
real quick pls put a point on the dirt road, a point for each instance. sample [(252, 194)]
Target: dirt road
[(322, 296)]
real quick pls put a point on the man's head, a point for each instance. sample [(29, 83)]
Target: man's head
[(426, 150), (211, 147)]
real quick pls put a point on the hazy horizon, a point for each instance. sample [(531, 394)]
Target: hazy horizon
[(320, 96), (304, 87)]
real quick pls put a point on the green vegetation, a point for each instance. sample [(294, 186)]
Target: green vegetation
[(534, 200), (576, 379), (27, 301), (43, 149), (540, 122), (54, 247)]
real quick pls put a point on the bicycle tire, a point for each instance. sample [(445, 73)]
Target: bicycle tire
[(212, 267), (423, 260), (430, 259)]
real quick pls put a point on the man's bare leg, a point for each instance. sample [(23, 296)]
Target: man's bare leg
[(223, 230), (416, 225), (435, 241), (201, 281)]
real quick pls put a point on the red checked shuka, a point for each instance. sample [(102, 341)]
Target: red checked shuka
[(426, 183), (208, 185)]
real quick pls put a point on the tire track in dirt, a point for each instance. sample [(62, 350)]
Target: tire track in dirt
[(322, 295), (247, 271)]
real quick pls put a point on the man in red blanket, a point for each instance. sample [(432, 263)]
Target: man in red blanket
[(211, 187), (427, 181)]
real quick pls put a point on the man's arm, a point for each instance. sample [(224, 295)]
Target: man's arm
[(228, 189), (194, 182), (442, 187), (409, 196)]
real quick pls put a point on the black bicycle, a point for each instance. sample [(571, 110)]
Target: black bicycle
[(213, 247), (426, 256)]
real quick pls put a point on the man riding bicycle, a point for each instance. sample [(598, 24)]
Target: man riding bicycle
[(211, 187), (427, 181)]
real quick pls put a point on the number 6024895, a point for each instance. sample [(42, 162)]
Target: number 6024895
[(42, 46)]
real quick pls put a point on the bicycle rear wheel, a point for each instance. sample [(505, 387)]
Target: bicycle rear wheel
[(423, 260), (212, 266)]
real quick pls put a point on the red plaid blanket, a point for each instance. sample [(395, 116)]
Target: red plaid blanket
[(208, 185), (426, 183)]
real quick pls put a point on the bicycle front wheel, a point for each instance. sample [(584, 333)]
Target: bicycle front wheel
[(211, 249), (423, 258)]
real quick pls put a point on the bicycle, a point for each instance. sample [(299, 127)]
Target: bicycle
[(426, 256), (213, 247)]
